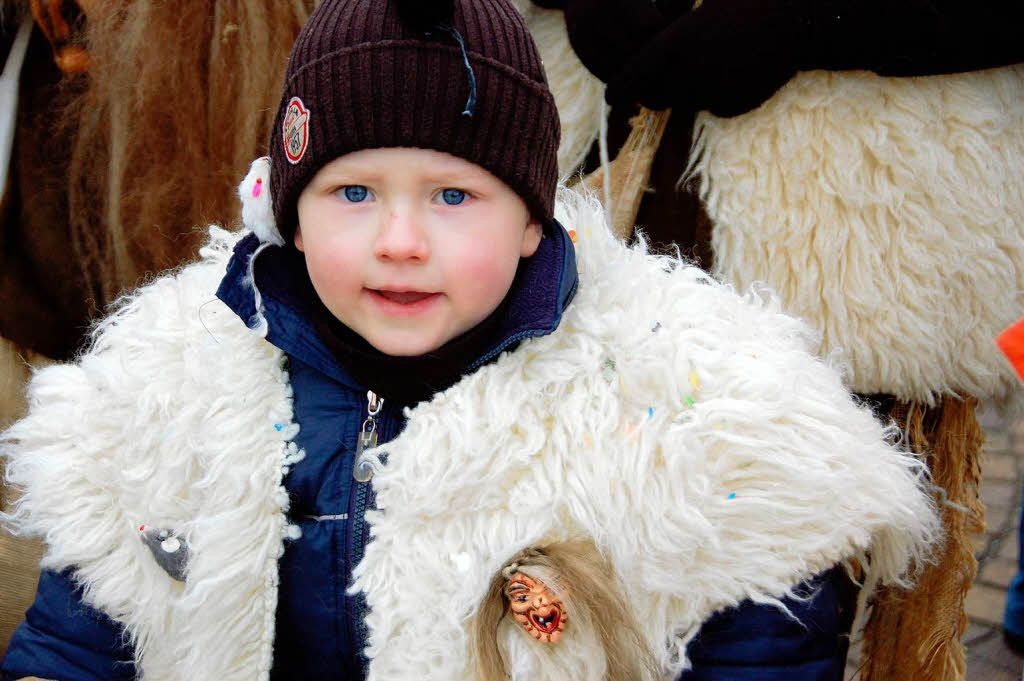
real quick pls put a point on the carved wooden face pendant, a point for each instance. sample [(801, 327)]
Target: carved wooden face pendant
[(535, 608)]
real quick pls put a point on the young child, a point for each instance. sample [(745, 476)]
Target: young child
[(411, 394)]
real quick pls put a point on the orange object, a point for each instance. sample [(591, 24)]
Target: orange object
[(536, 608), (56, 19), (1011, 342)]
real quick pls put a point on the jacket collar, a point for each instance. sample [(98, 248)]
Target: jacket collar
[(547, 285)]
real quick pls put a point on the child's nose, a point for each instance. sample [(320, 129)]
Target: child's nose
[(401, 237)]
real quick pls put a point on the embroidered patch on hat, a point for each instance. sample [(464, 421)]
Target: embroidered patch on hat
[(296, 130)]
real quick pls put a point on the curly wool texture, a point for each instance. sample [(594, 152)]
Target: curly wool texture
[(888, 213), (771, 476), (579, 95), (168, 421), (179, 417)]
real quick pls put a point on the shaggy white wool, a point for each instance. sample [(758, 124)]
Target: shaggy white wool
[(688, 431), (887, 212), (169, 421), (579, 95)]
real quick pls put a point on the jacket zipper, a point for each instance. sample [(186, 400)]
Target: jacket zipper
[(361, 499), (362, 471)]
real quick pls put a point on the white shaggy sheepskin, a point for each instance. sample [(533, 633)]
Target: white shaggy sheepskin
[(179, 417), (168, 421), (579, 95), (887, 212), (771, 476)]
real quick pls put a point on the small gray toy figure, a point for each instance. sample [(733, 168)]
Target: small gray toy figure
[(171, 552)]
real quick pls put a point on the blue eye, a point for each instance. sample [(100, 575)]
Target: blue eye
[(453, 197), (355, 193)]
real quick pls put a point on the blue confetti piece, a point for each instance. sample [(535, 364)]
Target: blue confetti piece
[(650, 412), (733, 495), (279, 427)]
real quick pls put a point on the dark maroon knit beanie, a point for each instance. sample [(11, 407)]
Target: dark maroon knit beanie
[(462, 77)]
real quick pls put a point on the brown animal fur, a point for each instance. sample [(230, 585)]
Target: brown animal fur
[(124, 166), (585, 581), (918, 634), (180, 100)]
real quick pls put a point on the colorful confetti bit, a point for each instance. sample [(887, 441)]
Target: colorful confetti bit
[(650, 412), (608, 369), (257, 188), (733, 495), (572, 235), (689, 400), (279, 427), (695, 381), (656, 327)]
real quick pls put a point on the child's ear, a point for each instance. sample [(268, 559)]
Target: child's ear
[(298, 237), (531, 238)]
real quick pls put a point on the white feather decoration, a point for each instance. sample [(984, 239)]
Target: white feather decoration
[(257, 208)]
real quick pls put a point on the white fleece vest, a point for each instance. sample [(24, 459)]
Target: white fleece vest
[(685, 429), (888, 213)]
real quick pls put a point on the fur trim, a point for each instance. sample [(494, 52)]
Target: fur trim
[(579, 95), (770, 476), (149, 429), (888, 212)]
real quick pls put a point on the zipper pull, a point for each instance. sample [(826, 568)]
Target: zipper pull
[(367, 439)]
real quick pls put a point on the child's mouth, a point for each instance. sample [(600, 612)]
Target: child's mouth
[(404, 297), (404, 303)]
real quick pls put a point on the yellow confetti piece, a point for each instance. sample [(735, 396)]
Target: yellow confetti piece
[(694, 380), (588, 440)]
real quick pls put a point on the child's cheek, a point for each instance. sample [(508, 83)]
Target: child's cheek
[(334, 272), (484, 276)]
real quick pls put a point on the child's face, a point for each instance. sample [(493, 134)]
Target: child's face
[(410, 248)]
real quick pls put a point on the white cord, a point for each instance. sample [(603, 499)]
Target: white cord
[(606, 167), (9, 81)]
